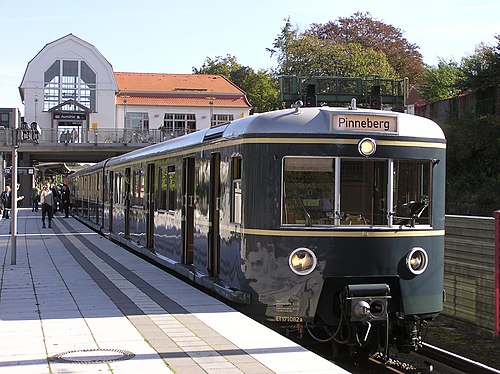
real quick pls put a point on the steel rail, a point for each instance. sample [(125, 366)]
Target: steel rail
[(455, 361)]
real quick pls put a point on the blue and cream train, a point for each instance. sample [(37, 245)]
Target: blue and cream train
[(324, 219)]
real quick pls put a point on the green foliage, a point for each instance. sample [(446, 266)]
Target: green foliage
[(478, 72), (287, 35), (308, 55), (221, 65), (371, 34), (441, 82), (262, 91), (227, 66), (482, 69), (261, 87), (473, 167), (358, 46)]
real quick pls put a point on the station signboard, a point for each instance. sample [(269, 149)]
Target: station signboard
[(21, 170)]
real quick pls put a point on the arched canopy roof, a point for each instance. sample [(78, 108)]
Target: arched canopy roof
[(53, 168)]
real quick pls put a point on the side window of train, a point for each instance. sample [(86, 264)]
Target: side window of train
[(162, 189), (118, 198), (236, 190), (105, 192), (138, 187), (308, 190), (98, 187), (166, 188), (171, 191), (92, 187), (133, 188), (85, 186), (141, 187)]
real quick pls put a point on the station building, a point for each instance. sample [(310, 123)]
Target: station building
[(85, 112), (70, 87)]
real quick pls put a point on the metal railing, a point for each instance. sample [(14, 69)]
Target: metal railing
[(92, 136)]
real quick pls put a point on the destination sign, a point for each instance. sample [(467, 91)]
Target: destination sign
[(364, 123)]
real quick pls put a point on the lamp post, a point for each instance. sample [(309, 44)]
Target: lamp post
[(13, 193), (125, 101)]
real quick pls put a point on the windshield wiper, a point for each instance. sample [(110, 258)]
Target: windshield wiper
[(307, 216)]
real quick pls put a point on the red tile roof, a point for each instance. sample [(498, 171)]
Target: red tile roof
[(179, 83), (195, 90), (190, 101)]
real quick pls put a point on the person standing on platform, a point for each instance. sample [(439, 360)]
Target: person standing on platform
[(74, 136), (55, 197), (59, 198), (35, 197), (6, 200), (47, 201), (65, 199)]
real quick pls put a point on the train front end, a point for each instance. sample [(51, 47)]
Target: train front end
[(350, 247)]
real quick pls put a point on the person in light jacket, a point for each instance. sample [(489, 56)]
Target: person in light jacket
[(47, 201)]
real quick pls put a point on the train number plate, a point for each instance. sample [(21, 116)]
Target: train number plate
[(293, 319)]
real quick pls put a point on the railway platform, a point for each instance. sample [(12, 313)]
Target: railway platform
[(74, 302)]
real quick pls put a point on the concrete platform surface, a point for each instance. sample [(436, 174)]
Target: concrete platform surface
[(72, 301)]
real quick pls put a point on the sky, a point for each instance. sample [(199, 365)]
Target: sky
[(172, 36)]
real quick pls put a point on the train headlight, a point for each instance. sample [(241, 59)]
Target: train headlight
[(378, 308), (302, 261), (417, 260), (367, 147)]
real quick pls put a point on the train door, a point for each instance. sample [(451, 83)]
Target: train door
[(380, 193), (111, 194), (214, 216), (97, 200), (188, 210), (150, 204), (127, 202)]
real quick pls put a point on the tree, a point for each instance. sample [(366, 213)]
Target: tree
[(261, 87), (473, 172), (307, 55), (227, 66), (361, 29), (262, 91), (482, 69), (441, 82), (280, 45)]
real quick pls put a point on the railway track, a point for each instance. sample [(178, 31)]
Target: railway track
[(428, 359), (455, 361), (431, 359)]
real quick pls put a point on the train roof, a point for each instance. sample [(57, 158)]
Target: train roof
[(316, 121), (89, 169), (301, 122)]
